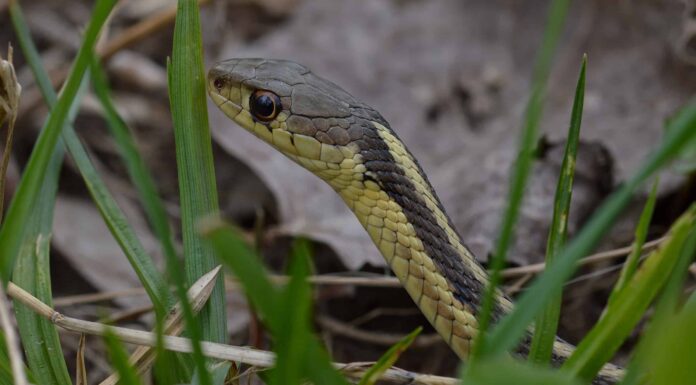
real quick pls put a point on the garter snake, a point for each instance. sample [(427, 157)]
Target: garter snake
[(350, 146)]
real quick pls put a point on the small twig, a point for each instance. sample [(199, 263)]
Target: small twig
[(347, 330), (382, 281), (11, 341), (381, 311), (518, 284), (97, 297), (594, 274), (237, 354), (140, 30), (128, 314), (601, 256)]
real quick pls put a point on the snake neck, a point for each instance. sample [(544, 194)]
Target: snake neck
[(382, 183), (392, 198)]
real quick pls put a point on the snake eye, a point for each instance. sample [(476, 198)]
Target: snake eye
[(218, 83), (265, 105)]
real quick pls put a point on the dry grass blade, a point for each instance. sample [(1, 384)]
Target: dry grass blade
[(12, 342), (248, 356), (10, 91), (81, 370), (144, 356)]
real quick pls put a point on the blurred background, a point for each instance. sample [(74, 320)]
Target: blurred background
[(451, 76)]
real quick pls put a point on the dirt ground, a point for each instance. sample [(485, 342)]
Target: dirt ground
[(451, 76)]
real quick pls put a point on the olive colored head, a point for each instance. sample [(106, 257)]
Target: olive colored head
[(286, 105)]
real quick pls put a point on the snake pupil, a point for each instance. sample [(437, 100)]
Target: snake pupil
[(264, 105), (218, 83)]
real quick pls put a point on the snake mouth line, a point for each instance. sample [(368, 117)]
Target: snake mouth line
[(223, 103)]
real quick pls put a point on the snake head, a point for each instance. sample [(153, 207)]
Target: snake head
[(309, 119), (258, 103)]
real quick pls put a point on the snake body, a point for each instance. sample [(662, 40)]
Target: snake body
[(351, 146)]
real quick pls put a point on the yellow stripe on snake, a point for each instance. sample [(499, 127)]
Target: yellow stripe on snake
[(350, 146)]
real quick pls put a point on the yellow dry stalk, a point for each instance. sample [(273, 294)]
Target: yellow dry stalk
[(10, 90)]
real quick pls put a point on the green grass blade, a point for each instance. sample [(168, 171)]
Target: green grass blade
[(295, 308), (547, 323), (24, 200), (265, 297), (673, 357), (686, 162), (622, 316), (522, 165), (506, 371), (5, 370), (174, 270), (318, 367), (294, 320), (513, 327), (139, 175), (664, 311), (31, 271), (197, 189), (31, 54), (237, 256), (673, 294), (119, 359), (167, 371), (639, 368), (389, 358), (641, 234), (219, 372)]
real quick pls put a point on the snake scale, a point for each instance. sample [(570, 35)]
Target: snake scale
[(350, 146)]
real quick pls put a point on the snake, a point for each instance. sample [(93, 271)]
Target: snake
[(350, 146)]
